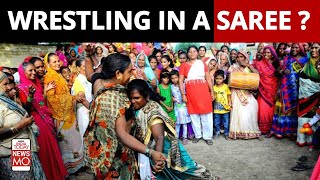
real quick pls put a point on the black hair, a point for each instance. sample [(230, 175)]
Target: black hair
[(205, 49), (164, 74), (59, 46), (169, 60), (192, 46), (156, 51), (10, 77), (152, 57), (174, 72), (63, 67), (35, 59), (114, 47), (111, 64), (144, 90), (129, 114), (226, 47), (51, 54), (79, 62), (278, 47), (219, 73)]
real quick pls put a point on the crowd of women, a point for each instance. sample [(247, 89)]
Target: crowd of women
[(126, 113)]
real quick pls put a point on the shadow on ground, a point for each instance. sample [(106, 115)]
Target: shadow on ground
[(253, 159)]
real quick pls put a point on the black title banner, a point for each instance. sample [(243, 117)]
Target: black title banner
[(119, 22)]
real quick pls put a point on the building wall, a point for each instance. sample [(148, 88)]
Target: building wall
[(11, 55)]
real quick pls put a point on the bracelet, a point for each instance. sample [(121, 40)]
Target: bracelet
[(30, 99), (13, 129), (147, 152)]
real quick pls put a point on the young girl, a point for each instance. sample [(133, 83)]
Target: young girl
[(213, 67), (165, 91), (167, 63), (180, 107), (222, 104)]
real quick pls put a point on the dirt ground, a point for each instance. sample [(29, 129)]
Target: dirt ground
[(253, 159)]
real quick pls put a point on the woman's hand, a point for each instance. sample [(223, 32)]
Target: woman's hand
[(32, 89), (158, 158), (49, 86), (184, 98), (159, 167), (25, 122), (169, 108), (213, 96)]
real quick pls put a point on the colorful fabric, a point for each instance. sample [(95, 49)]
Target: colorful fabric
[(62, 58), (196, 85), (179, 164), (167, 94), (36, 171), (309, 94), (61, 104), (283, 124), (60, 101), (310, 69), (52, 165), (289, 86), (268, 85), (107, 157), (221, 102), (309, 99), (316, 171), (180, 108), (244, 114)]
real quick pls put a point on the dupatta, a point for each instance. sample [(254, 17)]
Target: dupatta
[(39, 101), (145, 117), (60, 101)]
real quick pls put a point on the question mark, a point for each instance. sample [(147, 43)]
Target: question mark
[(305, 19)]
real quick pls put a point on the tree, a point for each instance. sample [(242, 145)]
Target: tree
[(184, 46)]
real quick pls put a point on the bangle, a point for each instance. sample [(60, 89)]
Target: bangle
[(13, 129), (147, 152), (30, 99)]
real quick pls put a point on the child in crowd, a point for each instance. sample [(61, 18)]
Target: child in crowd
[(213, 67), (66, 73), (180, 108), (222, 104), (165, 91)]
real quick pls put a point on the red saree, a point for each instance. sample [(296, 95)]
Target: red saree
[(267, 93), (49, 153)]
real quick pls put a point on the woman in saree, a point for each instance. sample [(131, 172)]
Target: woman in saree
[(109, 146), (15, 124), (83, 88), (156, 130), (31, 96), (62, 105), (268, 84), (309, 93), (285, 119), (244, 113), (144, 71)]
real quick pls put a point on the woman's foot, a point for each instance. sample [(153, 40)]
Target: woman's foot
[(184, 141), (196, 140), (209, 142), (269, 135)]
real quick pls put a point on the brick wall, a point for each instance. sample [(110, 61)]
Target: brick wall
[(12, 55)]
